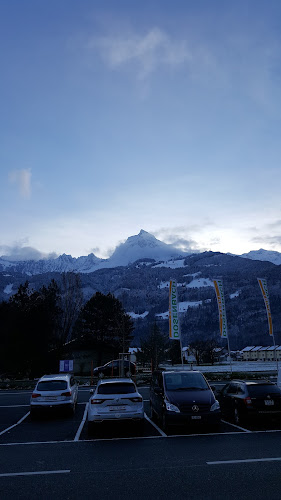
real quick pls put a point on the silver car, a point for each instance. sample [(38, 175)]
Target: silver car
[(54, 391), (115, 400)]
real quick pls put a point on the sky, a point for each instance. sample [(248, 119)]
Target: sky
[(122, 115)]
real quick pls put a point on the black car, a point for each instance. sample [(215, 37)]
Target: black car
[(114, 369), (241, 399), (182, 398)]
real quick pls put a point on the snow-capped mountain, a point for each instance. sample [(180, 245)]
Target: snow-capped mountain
[(264, 255), (141, 246)]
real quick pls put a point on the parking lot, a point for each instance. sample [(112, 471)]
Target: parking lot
[(55, 454)]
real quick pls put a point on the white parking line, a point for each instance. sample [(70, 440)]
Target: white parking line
[(11, 427), (154, 425), (175, 436), (237, 426), (77, 436), (248, 460), (15, 406), (9, 474)]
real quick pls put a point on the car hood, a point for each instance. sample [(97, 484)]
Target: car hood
[(199, 397)]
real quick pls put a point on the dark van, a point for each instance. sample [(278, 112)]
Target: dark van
[(182, 398)]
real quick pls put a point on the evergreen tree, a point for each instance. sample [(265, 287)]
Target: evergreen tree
[(104, 325)]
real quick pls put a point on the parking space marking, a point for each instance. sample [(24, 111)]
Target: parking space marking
[(77, 436), (12, 426), (14, 406), (28, 443), (243, 461), (237, 426), (154, 425), (36, 473)]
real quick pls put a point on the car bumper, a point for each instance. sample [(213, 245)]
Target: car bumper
[(210, 418), (113, 416), (53, 404)]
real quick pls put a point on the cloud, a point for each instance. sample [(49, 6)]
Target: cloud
[(148, 52), (22, 179), (19, 253)]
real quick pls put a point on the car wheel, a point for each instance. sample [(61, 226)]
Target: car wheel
[(128, 374), (153, 413), (33, 414), (140, 427), (101, 375), (237, 416), (164, 424), (91, 429)]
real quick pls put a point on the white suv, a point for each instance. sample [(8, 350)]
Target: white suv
[(115, 399), (54, 391)]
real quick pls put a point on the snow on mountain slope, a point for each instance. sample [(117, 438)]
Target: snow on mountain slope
[(143, 245), (265, 255)]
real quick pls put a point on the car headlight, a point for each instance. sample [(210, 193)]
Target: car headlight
[(215, 406), (171, 407)]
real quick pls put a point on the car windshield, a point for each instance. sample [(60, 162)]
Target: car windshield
[(185, 381), (52, 385), (116, 388), (263, 390)]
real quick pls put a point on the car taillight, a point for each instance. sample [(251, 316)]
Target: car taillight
[(34, 395), (136, 400), (67, 393), (247, 400), (97, 401)]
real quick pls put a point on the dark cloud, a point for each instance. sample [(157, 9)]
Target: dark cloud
[(267, 240), (18, 253), (174, 237)]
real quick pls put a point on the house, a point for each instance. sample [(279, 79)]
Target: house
[(246, 352)]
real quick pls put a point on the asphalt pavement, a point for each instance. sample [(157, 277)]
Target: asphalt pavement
[(54, 456)]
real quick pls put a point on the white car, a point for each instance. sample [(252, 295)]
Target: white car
[(54, 391), (115, 399)]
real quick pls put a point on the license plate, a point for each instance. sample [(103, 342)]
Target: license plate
[(195, 417), (117, 408), (268, 402), (50, 398)]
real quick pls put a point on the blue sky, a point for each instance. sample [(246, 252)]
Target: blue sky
[(121, 115)]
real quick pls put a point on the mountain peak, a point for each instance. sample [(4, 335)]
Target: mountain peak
[(142, 245)]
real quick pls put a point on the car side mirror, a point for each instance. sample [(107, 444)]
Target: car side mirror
[(91, 391)]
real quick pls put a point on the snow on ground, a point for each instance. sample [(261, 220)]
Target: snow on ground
[(193, 274), (136, 316), (234, 295), (237, 366), (195, 283), (8, 289), (200, 283), (183, 306), (173, 264)]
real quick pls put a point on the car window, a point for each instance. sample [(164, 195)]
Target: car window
[(240, 390), (181, 381), (263, 390), (232, 389), (116, 388), (52, 385)]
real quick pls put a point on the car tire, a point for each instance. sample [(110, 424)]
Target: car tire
[(140, 427), (128, 374), (91, 429), (101, 375), (164, 424), (237, 416), (33, 414), (153, 414)]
